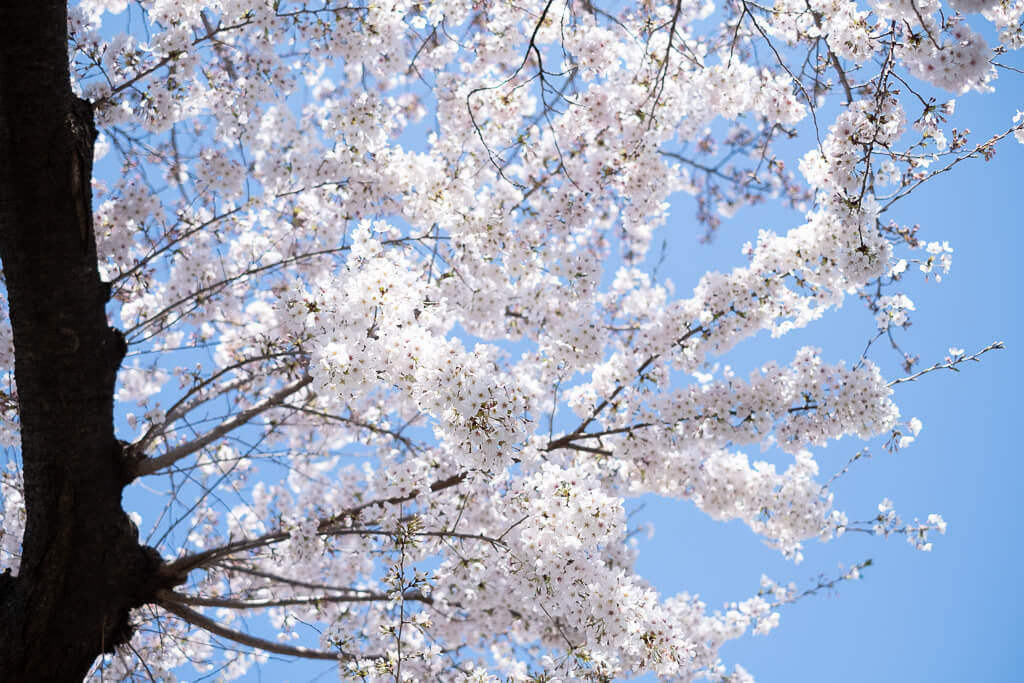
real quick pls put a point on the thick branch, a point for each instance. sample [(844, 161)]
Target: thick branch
[(197, 619), (238, 603)]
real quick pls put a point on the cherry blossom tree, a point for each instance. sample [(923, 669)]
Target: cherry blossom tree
[(363, 297)]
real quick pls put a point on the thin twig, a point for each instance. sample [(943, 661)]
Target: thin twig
[(949, 364), (153, 464)]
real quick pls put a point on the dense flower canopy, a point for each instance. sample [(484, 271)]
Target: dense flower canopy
[(398, 359)]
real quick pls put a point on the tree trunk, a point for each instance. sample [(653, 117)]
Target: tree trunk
[(82, 567)]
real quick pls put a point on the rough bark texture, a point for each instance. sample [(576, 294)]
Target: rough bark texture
[(82, 566)]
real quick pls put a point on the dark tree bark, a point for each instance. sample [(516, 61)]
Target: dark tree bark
[(82, 566)]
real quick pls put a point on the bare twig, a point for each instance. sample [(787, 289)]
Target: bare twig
[(153, 464), (979, 150)]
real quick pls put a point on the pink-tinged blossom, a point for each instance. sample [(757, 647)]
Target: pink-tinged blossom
[(384, 274)]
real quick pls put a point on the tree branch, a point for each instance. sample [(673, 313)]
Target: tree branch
[(236, 603), (153, 464), (949, 364), (180, 567), (203, 622)]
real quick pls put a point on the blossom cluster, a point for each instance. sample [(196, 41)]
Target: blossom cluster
[(400, 354)]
